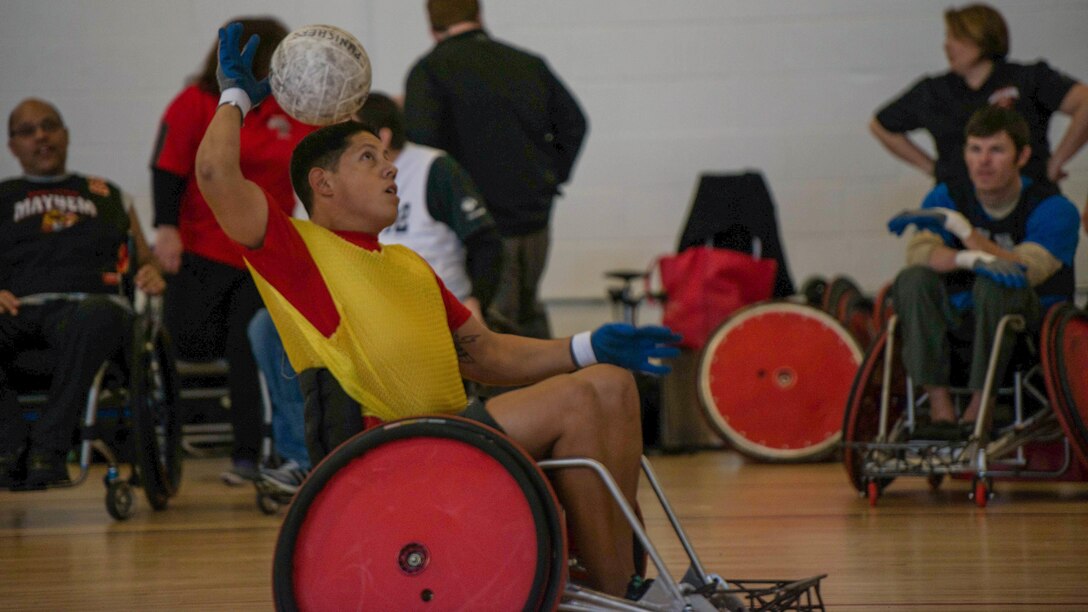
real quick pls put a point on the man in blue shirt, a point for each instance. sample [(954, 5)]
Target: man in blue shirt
[(998, 244)]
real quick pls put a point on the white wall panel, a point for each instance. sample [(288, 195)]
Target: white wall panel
[(671, 90)]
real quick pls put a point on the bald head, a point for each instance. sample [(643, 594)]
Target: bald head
[(37, 138), (32, 104)]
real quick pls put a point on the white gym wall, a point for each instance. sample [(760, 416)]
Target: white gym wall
[(672, 89)]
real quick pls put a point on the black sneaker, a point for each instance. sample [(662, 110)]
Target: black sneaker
[(11, 472), (44, 470), (637, 587)]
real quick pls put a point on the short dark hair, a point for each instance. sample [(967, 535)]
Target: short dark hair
[(271, 31), (321, 149), (982, 25), (381, 111), (444, 13), (992, 120)]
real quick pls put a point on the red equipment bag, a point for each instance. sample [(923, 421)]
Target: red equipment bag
[(704, 285)]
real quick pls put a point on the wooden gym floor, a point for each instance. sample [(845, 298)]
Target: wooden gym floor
[(212, 548)]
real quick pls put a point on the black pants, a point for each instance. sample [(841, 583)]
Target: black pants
[(517, 301), (208, 308), (70, 340)]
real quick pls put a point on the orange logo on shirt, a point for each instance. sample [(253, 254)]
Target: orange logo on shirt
[(98, 186), (1005, 97), (55, 221)]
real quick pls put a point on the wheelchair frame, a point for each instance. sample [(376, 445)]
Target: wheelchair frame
[(987, 453), (697, 583), (697, 590), (147, 405)]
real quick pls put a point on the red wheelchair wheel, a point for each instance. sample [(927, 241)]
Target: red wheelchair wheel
[(427, 513), (774, 379), (883, 308), (857, 316), (839, 291), (1068, 339), (861, 419), (1048, 362)]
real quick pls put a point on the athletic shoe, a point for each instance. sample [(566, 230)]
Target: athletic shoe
[(43, 470), (638, 587), (287, 478), (241, 472), (11, 472)]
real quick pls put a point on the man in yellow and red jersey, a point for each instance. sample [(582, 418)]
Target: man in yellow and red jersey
[(377, 320)]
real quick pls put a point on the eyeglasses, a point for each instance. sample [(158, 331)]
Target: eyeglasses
[(27, 130)]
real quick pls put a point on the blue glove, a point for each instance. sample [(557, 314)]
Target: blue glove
[(932, 219), (1003, 272), (236, 69), (626, 346)]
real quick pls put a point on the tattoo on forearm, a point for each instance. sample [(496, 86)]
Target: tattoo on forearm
[(459, 344)]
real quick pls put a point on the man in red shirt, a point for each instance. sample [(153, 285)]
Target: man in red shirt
[(343, 303)]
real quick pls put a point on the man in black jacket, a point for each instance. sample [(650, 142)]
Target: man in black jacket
[(517, 130)]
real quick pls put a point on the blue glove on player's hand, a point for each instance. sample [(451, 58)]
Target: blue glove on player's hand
[(626, 346), (236, 68), (932, 219), (1003, 272)]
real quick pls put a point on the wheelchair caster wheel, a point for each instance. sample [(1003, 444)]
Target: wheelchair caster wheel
[(981, 491), (872, 491), (119, 500), (267, 503), (935, 481)]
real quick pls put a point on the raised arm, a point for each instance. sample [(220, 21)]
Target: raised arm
[(239, 205)]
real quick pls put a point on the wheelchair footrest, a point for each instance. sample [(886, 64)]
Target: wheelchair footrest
[(774, 595), (915, 458)]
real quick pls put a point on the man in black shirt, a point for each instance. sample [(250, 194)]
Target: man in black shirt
[(62, 236), (517, 130)]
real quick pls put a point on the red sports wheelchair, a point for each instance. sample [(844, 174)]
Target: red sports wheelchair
[(1041, 435), (443, 513)]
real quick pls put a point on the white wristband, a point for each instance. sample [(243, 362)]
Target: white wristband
[(967, 259), (958, 225), (581, 350), (236, 96)]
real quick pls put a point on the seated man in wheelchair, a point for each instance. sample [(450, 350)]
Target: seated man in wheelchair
[(373, 321), (1000, 244), (61, 235)]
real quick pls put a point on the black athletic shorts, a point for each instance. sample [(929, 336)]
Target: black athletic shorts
[(477, 412)]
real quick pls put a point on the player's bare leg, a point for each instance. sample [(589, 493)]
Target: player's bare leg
[(591, 413)]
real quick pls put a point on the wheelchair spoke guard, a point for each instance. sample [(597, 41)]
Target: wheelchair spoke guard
[(861, 420), (1068, 348), (774, 379), (435, 512), (156, 424)]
